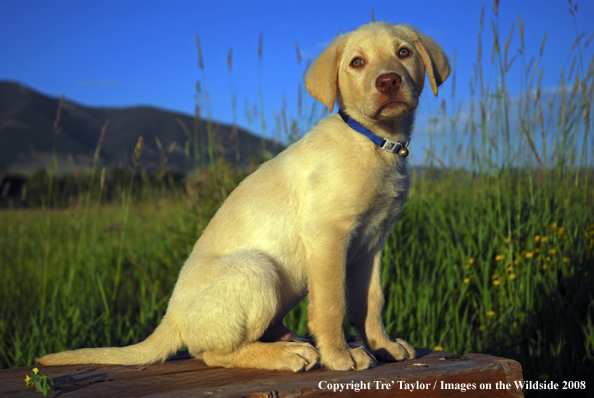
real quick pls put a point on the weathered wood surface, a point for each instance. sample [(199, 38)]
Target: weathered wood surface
[(425, 376)]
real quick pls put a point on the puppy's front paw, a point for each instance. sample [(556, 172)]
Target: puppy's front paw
[(349, 359), (394, 351)]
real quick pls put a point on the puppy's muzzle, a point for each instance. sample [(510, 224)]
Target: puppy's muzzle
[(388, 84)]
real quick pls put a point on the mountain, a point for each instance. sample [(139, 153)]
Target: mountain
[(27, 136)]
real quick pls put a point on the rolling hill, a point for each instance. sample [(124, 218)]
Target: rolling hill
[(27, 136)]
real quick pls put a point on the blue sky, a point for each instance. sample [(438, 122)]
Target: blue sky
[(128, 52)]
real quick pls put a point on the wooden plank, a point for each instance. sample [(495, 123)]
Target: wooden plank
[(432, 374)]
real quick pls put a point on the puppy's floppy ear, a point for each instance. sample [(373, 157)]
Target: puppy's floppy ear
[(321, 78), (437, 64)]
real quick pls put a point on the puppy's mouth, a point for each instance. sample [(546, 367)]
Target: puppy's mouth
[(392, 104), (392, 108)]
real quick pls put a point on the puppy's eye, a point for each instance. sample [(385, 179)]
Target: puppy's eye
[(357, 63), (404, 53)]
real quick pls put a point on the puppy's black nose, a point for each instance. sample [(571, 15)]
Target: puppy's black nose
[(388, 83)]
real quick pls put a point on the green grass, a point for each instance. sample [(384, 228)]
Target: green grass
[(493, 252), (493, 268), (464, 247), (95, 274)]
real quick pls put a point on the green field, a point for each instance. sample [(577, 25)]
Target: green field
[(497, 265), (493, 252)]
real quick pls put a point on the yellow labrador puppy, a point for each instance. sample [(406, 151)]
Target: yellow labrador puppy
[(306, 222)]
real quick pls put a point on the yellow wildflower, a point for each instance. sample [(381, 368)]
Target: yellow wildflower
[(529, 255), (536, 251), (499, 257), (553, 251), (496, 282), (545, 239), (537, 238), (561, 230), (35, 370), (482, 328), (27, 378), (491, 313), (438, 348), (512, 277), (509, 269), (544, 266), (466, 280), (471, 260)]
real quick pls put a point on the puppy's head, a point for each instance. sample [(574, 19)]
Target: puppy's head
[(377, 72)]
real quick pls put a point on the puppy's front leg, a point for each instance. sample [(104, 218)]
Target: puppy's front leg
[(327, 306), (366, 303)]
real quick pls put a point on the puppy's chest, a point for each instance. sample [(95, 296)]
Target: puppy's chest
[(382, 209)]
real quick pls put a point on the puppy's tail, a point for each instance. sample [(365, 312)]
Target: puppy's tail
[(164, 341)]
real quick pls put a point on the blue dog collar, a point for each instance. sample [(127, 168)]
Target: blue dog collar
[(384, 143)]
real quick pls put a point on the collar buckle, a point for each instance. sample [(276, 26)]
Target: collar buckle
[(384, 143), (391, 146), (396, 147)]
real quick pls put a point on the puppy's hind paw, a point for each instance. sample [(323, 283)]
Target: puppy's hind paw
[(301, 357)]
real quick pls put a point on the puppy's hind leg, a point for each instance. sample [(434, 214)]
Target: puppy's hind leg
[(239, 303), (282, 355)]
